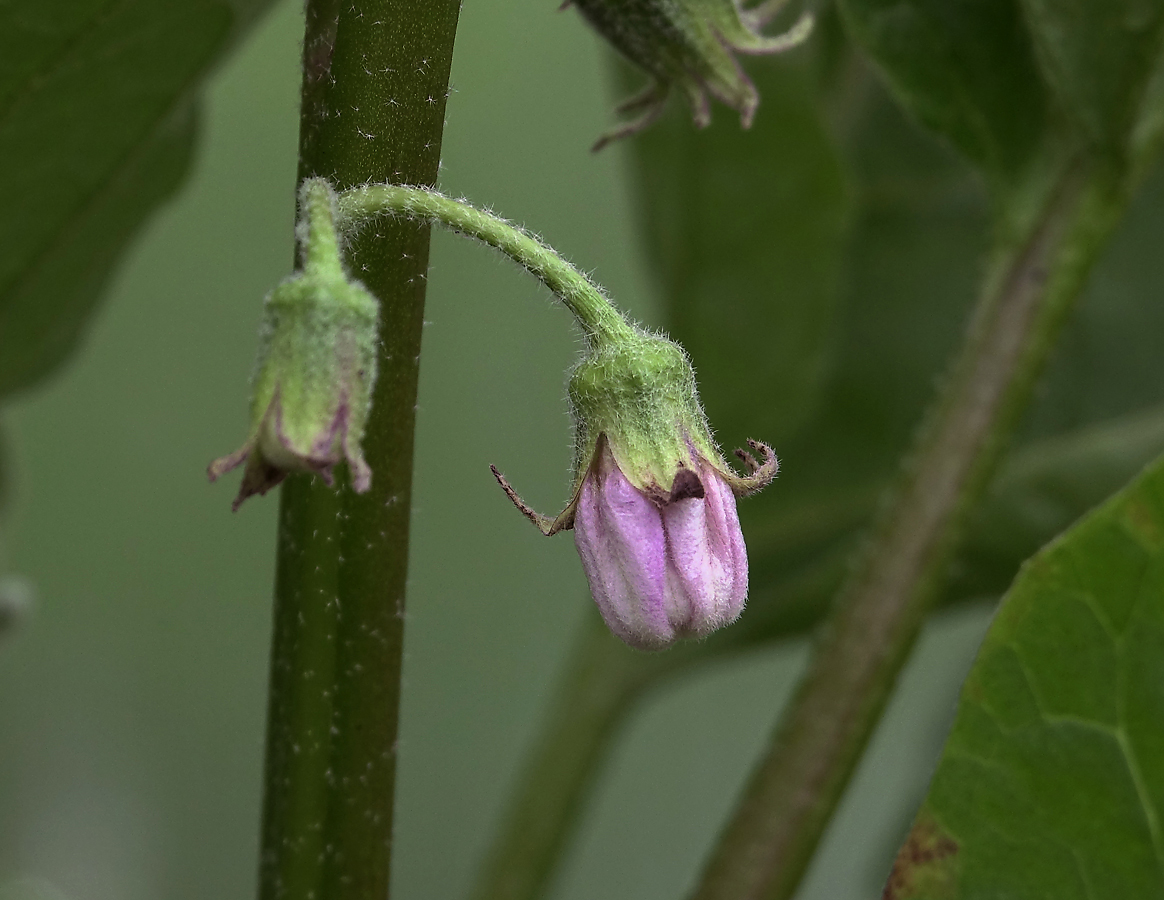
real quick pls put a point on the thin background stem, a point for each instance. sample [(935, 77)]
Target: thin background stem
[(603, 678), (374, 89), (767, 846)]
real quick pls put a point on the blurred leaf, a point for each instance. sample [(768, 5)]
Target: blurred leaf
[(1098, 56), (97, 119), (965, 68), (909, 275), (1108, 363), (908, 270), (1040, 490), (1052, 781), (1146, 138), (746, 230), (1043, 488), (915, 258)]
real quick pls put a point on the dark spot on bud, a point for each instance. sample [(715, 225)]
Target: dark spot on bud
[(686, 486)]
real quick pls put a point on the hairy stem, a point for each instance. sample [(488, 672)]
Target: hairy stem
[(581, 296), (765, 849), (374, 86)]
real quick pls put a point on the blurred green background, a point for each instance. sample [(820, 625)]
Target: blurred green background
[(132, 697)]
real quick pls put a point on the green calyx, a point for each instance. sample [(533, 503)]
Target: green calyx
[(690, 45), (635, 393), (640, 393), (316, 365)]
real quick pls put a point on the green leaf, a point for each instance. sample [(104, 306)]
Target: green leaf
[(745, 230), (964, 68), (97, 118), (1052, 781), (1098, 55)]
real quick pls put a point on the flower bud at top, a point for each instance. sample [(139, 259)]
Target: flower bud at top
[(316, 365), (691, 45), (654, 503)]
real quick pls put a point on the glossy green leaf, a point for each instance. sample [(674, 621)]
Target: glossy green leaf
[(1098, 56), (97, 126), (1052, 781), (964, 68)]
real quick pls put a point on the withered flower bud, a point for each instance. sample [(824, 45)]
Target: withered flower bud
[(316, 366), (690, 45)]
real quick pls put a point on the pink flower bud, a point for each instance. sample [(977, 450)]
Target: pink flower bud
[(661, 569), (654, 502)]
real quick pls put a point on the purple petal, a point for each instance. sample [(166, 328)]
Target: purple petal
[(723, 521), (619, 535), (706, 562), (697, 576)]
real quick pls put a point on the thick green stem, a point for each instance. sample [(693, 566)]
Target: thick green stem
[(766, 848), (374, 88), (593, 310)]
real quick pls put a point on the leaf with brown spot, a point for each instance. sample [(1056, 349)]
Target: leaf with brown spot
[(1052, 781), (926, 864)]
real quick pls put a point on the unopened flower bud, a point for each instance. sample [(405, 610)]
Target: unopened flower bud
[(661, 571), (654, 504), (689, 45), (316, 366)]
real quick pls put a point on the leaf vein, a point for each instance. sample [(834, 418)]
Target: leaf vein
[(1151, 814)]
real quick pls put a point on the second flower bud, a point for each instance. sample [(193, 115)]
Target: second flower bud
[(654, 503)]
